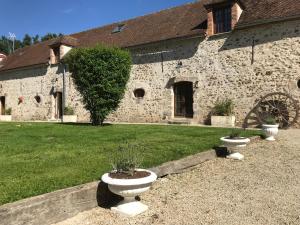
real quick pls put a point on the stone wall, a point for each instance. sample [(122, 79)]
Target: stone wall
[(243, 65)]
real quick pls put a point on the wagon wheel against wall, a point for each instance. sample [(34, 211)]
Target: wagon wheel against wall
[(280, 105)]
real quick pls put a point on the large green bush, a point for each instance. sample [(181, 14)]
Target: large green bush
[(100, 75)]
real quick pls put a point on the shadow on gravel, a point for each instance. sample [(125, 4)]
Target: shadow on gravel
[(105, 198), (221, 152)]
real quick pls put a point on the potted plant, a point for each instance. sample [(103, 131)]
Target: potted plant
[(233, 141), (69, 116), (222, 114), (128, 181), (7, 116), (270, 128)]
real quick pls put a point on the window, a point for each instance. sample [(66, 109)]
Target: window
[(139, 93), (222, 20), (298, 84), (118, 28)]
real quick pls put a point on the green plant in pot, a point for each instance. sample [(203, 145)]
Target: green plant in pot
[(270, 127), (127, 180), (69, 115), (235, 140), (68, 111), (222, 114), (8, 111), (223, 108)]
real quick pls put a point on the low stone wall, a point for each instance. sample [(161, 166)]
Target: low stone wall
[(60, 205)]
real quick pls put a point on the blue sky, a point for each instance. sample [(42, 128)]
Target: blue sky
[(71, 16)]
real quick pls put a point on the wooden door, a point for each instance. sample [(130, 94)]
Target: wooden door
[(2, 105), (58, 101), (183, 99)]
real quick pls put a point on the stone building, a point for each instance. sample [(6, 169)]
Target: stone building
[(185, 59)]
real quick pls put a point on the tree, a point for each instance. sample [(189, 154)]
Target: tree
[(100, 75), (36, 39), (4, 45), (27, 40), (50, 36)]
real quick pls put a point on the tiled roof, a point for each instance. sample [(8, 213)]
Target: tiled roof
[(179, 22)]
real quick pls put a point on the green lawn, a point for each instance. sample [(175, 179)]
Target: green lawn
[(37, 158)]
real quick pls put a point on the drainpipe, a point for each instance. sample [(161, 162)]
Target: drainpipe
[(64, 90)]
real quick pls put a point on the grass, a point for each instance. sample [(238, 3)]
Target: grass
[(37, 158)]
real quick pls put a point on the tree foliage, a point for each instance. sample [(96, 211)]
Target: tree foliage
[(100, 75), (6, 45)]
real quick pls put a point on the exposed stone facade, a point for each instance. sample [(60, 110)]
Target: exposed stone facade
[(242, 65)]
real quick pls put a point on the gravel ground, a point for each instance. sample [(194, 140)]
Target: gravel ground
[(263, 189)]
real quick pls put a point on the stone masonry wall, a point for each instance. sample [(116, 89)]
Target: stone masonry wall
[(242, 65)]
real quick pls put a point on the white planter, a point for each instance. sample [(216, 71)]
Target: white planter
[(223, 121), (129, 189), (5, 118), (235, 143), (270, 131), (69, 119)]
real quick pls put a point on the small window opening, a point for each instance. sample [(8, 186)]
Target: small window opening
[(139, 93), (298, 84), (38, 98), (222, 19), (118, 28)]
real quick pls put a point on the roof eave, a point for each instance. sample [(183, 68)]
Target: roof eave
[(267, 21), (168, 39), (23, 67)]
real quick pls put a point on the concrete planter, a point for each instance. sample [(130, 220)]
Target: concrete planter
[(69, 119), (5, 118), (129, 189), (223, 121), (270, 131), (235, 143), (232, 144)]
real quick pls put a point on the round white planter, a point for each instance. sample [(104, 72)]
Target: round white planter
[(270, 131), (129, 189), (235, 143), (241, 142)]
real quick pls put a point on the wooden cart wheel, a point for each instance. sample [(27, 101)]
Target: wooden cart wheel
[(280, 105)]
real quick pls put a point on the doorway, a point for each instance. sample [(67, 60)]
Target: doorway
[(2, 105), (58, 105), (183, 97)]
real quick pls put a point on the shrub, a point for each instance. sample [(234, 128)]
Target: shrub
[(223, 108), (235, 134), (100, 75), (270, 120), (68, 110), (8, 111), (127, 157)]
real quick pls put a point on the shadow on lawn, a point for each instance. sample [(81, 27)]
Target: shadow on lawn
[(85, 124)]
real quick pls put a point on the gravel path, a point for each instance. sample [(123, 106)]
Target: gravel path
[(263, 189)]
